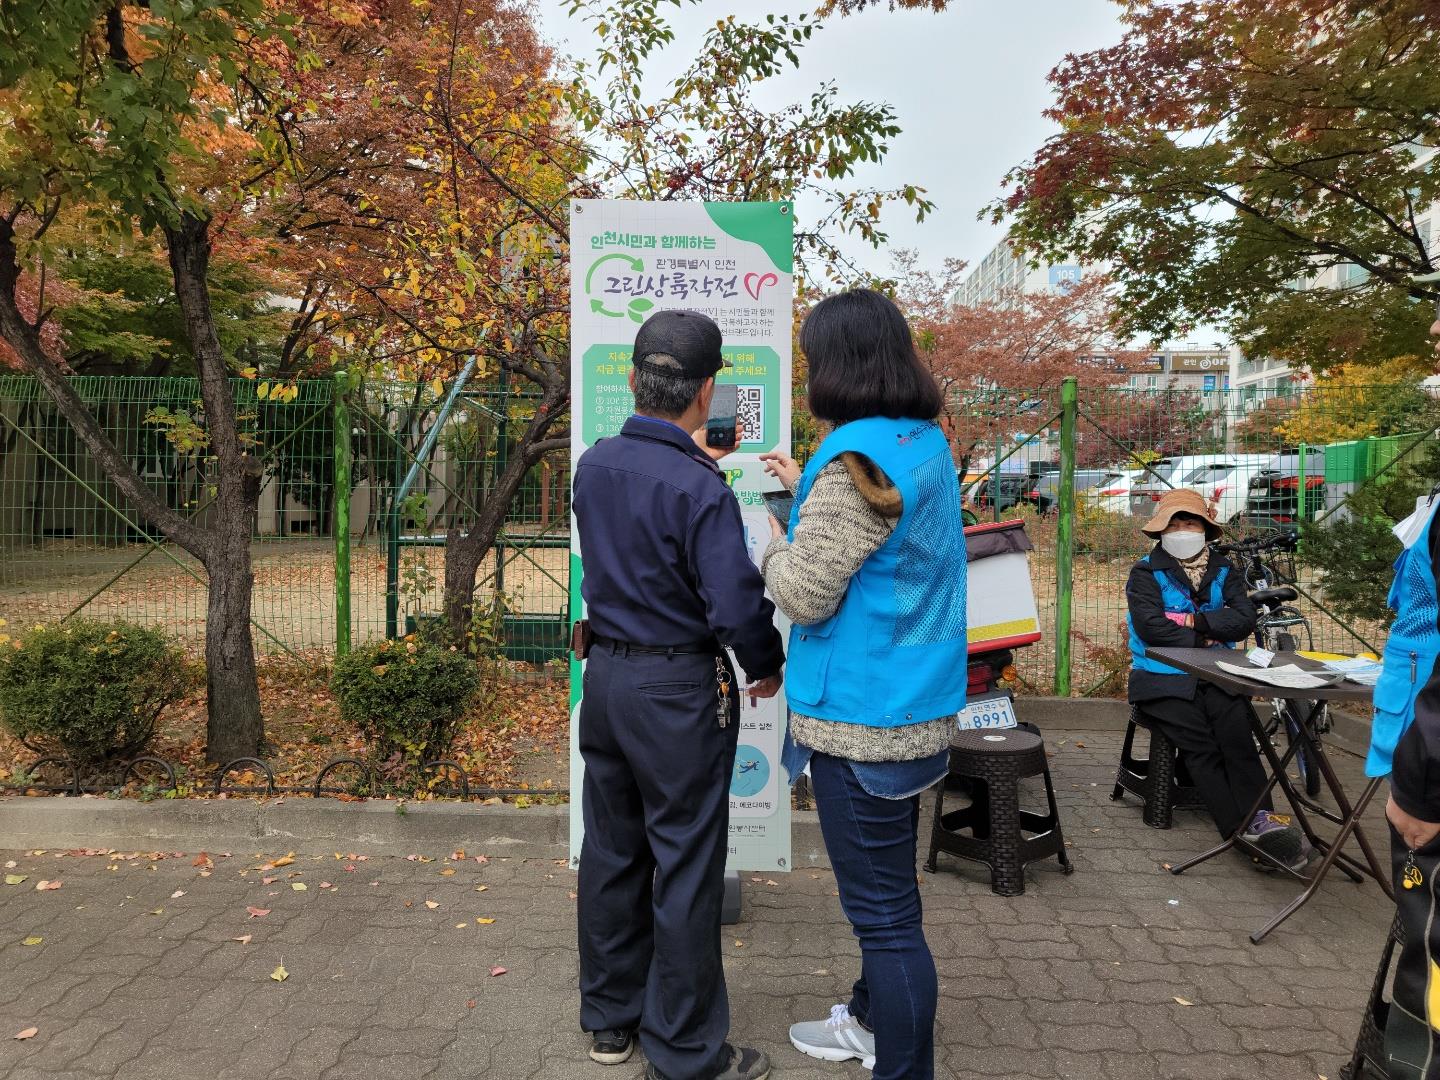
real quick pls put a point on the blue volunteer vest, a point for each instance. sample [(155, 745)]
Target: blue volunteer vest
[(895, 651), (1410, 650), (1178, 601)]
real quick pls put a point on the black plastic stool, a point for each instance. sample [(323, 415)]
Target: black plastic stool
[(993, 829), (1367, 1060), (1160, 780)]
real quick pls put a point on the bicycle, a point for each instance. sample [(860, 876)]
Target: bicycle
[(1278, 628)]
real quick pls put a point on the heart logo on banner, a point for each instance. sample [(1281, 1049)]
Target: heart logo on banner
[(755, 282)]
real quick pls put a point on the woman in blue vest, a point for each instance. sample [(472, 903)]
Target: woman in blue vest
[(871, 572), (1184, 595), (1405, 746)]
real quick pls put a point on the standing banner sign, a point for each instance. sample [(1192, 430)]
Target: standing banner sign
[(734, 263)]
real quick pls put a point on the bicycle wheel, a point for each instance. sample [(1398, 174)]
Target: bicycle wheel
[(1304, 760)]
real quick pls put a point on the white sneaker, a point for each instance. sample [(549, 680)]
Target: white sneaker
[(839, 1038)]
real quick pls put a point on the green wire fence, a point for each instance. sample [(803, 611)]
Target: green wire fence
[(345, 551)]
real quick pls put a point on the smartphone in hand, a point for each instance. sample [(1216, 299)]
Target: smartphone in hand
[(720, 425), (779, 504)]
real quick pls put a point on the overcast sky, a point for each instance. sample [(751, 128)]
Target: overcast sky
[(968, 87)]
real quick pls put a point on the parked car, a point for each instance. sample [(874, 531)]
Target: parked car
[(1012, 488), (1273, 500), (1036, 469), (1168, 473), (1226, 484), (1044, 495), (1112, 494)]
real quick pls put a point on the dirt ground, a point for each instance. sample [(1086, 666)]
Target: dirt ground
[(294, 600)]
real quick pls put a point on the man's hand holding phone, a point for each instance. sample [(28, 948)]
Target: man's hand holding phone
[(715, 453)]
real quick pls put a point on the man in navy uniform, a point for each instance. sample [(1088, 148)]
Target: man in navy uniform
[(668, 586)]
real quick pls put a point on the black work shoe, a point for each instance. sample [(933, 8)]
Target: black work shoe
[(745, 1064), (612, 1047)]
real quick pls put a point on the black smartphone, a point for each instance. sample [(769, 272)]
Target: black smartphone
[(720, 424), (779, 503)]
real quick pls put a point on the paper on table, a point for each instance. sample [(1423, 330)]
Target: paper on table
[(1288, 676), (1358, 670)]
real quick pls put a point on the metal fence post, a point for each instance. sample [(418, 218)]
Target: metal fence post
[(1065, 537), (340, 514)]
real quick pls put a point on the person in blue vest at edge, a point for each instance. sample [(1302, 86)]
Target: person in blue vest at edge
[(1405, 746), (668, 585), (871, 573), (1185, 595)]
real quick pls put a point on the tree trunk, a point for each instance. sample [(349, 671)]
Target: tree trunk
[(464, 554), (233, 727)]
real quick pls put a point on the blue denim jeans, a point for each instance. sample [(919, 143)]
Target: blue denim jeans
[(871, 841)]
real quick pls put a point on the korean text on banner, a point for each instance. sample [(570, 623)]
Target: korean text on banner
[(734, 263)]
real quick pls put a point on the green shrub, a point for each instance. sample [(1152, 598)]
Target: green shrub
[(406, 697), (1355, 556), (91, 690)]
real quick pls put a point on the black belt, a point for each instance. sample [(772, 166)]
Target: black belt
[(703, 648)]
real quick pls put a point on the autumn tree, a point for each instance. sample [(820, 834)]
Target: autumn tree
[(1225, 153), (1355, 401), (1000, 363), (117, 113), (1132, 429), (608, 132)]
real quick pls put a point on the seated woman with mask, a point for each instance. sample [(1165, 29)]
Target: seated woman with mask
[(1183, 595)]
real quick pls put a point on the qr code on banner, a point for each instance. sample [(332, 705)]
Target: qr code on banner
[(750, 413)]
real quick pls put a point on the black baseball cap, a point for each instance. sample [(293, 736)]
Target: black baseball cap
[(691, 338)]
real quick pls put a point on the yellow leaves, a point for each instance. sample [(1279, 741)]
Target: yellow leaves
[(437, 386), (280, 974), (299, 886), (32, 941)]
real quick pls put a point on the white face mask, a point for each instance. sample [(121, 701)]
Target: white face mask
[(1183, 545)]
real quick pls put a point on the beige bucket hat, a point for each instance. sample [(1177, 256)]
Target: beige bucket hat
[(1181, 501)]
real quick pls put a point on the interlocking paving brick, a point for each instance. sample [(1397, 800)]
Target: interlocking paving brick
[(1078, 978)]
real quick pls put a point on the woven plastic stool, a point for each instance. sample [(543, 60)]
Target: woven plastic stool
[(1367, 1060), (1159, 780), (993, 829)]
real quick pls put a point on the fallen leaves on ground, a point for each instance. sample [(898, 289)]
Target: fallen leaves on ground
[(32, 941), (258, 912), (299, 886), (497, 971), (484, 922), (431, 904), (47, 886), (1182, 1001), (280, 974), (177, 894), (16, 879), (244, 939), (28, 1033), (529, 723)]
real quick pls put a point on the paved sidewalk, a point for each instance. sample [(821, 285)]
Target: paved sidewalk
[(1076, 979)]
